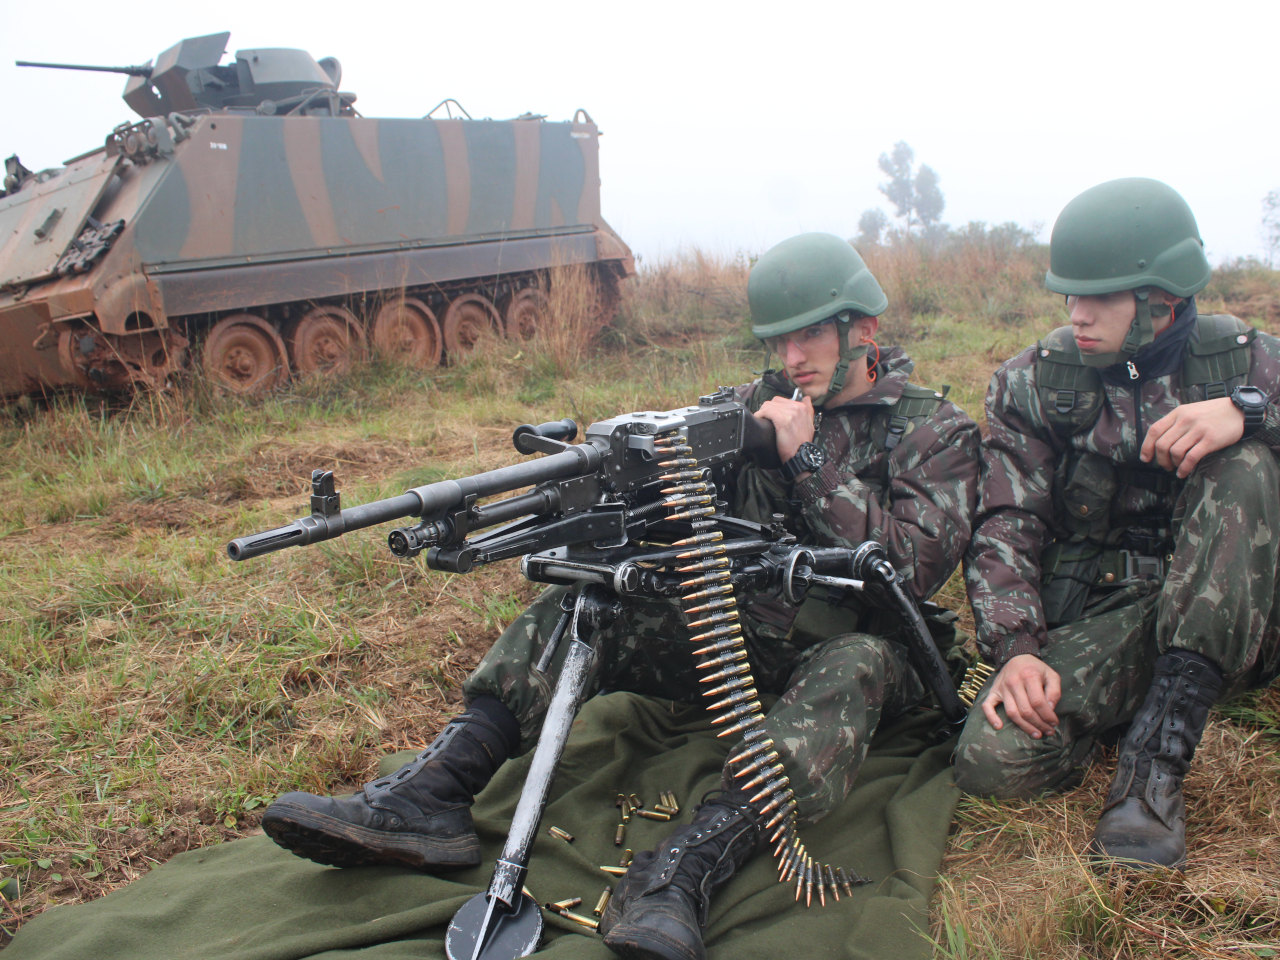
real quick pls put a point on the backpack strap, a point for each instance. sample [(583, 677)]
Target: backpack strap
[(1070, 393), (1217, 355), (915, 402)]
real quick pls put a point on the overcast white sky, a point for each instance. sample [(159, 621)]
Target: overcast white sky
[(734, 125)]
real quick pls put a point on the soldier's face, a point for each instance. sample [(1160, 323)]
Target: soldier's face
[(810, 356), (1100, 322)]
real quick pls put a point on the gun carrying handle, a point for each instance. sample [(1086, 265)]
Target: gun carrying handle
[(530, 439)]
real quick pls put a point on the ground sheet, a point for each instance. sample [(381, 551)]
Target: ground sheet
[(250, 900)]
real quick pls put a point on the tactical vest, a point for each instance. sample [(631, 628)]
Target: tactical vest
[(1093, 555), (1216, 361), (816, 619)]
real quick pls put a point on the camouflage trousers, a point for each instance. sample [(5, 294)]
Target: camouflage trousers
[(1221, 599), (830, 694)]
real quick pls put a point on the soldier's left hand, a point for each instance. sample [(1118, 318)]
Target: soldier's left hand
[(1181, 439)]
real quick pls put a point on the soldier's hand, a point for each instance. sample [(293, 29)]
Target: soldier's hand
[(1181, 439), (1029, 689), (792, 423)]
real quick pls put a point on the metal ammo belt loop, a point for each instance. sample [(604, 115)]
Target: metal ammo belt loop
[(712, 610)]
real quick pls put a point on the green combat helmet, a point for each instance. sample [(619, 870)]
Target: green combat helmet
[(808, 279), (1127, 234)]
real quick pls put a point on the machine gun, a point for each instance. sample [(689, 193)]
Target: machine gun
[(632, 511)]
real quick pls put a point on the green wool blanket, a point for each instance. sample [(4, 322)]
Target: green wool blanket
[(250, 900)]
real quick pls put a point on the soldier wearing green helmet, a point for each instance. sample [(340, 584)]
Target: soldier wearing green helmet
[(1123, 572), (890, 462)]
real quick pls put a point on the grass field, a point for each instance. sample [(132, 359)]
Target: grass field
[(154, 696)]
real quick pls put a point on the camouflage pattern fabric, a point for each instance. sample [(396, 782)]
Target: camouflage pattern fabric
[(1219, 598), (832, 667), (1028, 501)]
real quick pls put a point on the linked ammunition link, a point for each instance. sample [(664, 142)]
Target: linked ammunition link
[(712, 611)]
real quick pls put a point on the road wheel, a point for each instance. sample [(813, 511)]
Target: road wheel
[(469, 319), (526, 314), (406, 330), (244, 355), (325, 340)]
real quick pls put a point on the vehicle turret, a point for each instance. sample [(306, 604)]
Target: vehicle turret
[(267, 81)]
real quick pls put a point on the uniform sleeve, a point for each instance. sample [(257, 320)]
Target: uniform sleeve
[(1015, 507), (1264, 373), (923, 518)]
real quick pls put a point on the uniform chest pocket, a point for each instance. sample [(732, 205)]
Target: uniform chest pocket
[(1086, 488)]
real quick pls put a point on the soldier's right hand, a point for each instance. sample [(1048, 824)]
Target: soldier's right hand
[(1029, 689)]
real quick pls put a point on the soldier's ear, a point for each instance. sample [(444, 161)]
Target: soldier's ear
[(866, 327)]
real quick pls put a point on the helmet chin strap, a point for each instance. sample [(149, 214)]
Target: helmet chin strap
[(848, 354), (1141, 332)]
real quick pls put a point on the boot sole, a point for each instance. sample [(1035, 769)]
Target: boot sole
[(336, 843)]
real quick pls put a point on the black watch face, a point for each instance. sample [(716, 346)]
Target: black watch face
[(813, 456), (1250, 397)]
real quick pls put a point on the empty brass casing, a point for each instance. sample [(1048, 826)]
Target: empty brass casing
[(603, 901), (580, 919), (564, 835)]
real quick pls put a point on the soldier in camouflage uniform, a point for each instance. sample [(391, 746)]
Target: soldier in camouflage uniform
[(1124, 566), (865, 455)]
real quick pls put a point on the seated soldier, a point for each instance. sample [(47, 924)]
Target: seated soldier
[(865, 456), (1123, 570)]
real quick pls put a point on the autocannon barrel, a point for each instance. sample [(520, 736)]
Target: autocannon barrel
[(137, 71)]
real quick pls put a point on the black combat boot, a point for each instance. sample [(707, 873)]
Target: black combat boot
[(660, 905), (1144, 821), (420, 816)]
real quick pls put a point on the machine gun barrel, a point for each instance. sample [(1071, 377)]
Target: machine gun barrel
[(430, 500), (135, 71)]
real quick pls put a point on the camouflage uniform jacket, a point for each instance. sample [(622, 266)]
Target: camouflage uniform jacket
[(914, 494), (1044, 486)]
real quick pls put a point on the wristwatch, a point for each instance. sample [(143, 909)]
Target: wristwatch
[(808, 459), (1253, 404)]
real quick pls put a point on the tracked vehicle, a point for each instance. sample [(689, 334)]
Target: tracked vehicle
[(255, 226)]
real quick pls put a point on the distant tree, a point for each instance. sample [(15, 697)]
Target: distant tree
[(900, 191), (1270, 226), (928, 196), (871, 227), (915, 194)]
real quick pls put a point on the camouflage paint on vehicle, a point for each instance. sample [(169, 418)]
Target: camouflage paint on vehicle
[(109, 265)]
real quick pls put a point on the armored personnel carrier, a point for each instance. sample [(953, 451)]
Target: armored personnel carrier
[(254, 225)]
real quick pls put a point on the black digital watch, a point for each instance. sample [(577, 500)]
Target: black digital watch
[(1252, 402), (808, 459)]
